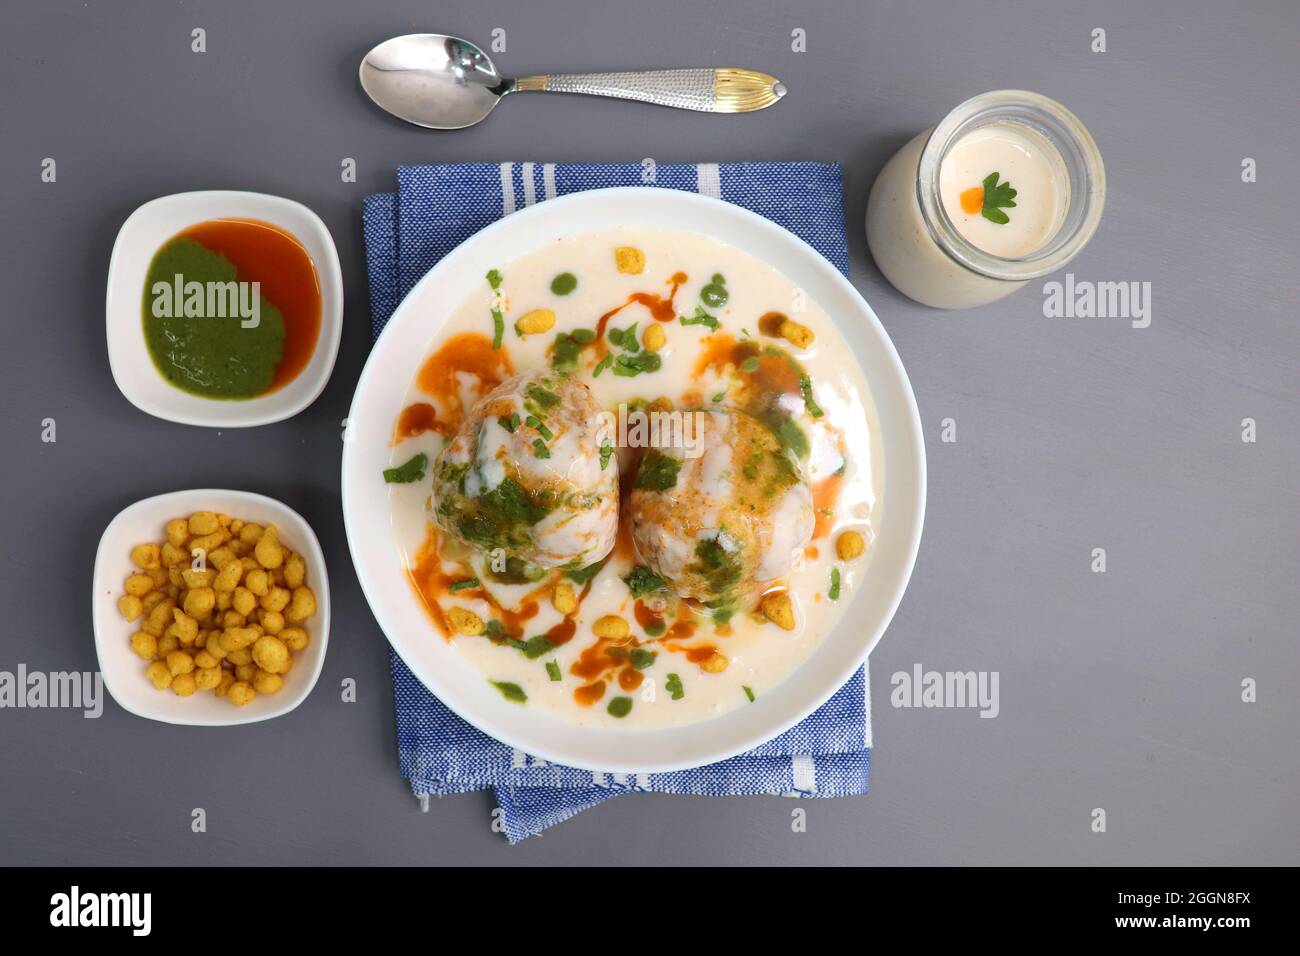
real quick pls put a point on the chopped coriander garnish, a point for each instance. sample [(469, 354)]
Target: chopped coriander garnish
[(583, 575), (498, 318), (493, 632), (539, 426), (654, 630), (805, 386), (543, 396), (509, 422), (564, 283), (674, 686), (516, 643), (699, 318), (642, 581), (834, 592), (657, 471), (552, 668), (641, 658), (603, 364), (620, 707), (510, 691), (465, 584), (749, 692), (540, 450), (625, 338), (606, 450), (996, 198), (536, 646), (719, 397), (410, 470), (629, 364), (750, 364)]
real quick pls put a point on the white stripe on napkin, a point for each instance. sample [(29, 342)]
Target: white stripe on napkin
[(805, 773), (708, 180), (507, 190), (548, 180), (530, 188)]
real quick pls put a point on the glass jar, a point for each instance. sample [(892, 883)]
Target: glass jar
[(913, 239)]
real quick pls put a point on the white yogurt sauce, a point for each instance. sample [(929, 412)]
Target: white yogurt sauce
[(760, 653)]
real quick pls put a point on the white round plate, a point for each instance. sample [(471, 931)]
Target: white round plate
[(380, 395)]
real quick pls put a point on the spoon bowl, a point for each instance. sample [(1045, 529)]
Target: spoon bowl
[(431, 80)]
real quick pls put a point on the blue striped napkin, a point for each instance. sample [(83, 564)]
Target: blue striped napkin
[(435, 209)]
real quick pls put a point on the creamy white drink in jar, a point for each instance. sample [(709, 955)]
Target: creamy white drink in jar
[(1007, 188)]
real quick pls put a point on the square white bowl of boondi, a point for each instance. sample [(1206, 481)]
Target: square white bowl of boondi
[(124, 671)]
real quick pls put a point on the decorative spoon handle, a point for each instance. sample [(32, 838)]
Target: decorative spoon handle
[(724, 90)]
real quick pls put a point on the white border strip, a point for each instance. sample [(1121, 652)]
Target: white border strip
[(530, 188), (805, 773), (708, 180), (507, 190)]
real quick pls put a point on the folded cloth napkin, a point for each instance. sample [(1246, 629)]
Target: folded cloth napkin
[(436, 208)]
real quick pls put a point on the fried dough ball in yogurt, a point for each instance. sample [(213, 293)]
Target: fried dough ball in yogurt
[(525, 473), (718, 524)]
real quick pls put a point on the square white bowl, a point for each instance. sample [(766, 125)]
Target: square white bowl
[(124, 671), (142, 235)]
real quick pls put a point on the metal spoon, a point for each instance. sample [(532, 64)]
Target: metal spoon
[(443, 82)]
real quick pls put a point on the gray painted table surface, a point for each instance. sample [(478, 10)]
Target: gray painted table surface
[(1119, 690)]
